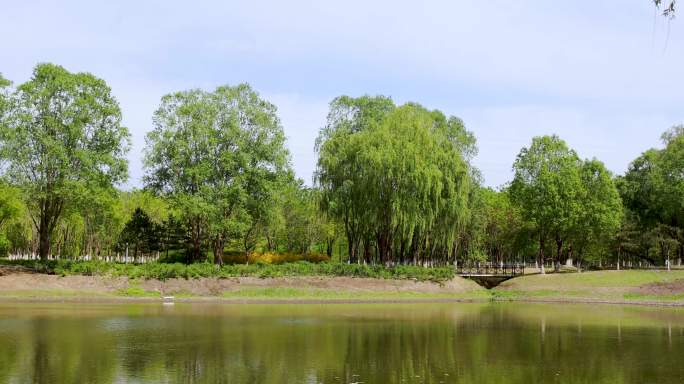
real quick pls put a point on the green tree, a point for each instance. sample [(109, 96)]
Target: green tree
[(140, 234), (63, 140), (547, 187), (601, 210), (10, 203), (502, 225), (652, 191), (398, 178), (216, 155)]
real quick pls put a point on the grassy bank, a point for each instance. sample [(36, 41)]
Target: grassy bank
[(163, 271), (633, 286), (301, 281), (325, 281)]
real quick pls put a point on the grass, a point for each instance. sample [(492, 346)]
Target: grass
[(249, 294), (52, 293), (271, 293), (134, 290), (589, 280), (163, 271), (514, 294), (619, 286), (616, 286), (646, 297)]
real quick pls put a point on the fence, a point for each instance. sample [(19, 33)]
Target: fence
[(140, 259)]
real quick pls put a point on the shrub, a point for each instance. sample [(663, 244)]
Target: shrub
[(4, 245), (163, 271), (272, 258)]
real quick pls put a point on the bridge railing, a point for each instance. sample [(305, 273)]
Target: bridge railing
[(492, 269)]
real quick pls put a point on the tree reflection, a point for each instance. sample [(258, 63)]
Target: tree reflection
[(330, 344)]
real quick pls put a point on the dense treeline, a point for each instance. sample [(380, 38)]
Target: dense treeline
[(395, 184)]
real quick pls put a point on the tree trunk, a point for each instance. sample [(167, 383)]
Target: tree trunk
[(618, 260), (559, 253), (196, 241), (383, 247), (44, 239), (541, 253), (218, 249), (329, 247)]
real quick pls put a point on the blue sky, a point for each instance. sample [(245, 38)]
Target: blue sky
[(606, 76)]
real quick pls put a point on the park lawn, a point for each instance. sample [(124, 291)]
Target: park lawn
[(611, 286)]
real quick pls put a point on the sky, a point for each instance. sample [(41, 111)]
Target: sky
[(606, 76)]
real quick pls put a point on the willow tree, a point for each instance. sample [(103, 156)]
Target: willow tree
[(215, 155), (397, 178), (338, 172), (63, 143)]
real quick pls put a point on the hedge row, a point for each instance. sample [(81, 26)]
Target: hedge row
[(164, 271)]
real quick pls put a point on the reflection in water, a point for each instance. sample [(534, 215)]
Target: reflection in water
[(409, 343)]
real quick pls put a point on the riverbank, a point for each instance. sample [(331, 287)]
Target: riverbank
[(21, 283), (649, 287)]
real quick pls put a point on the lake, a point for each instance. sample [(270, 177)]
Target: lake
[(340, 343)]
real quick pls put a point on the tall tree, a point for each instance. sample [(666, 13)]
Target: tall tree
[(63, 140), (397, 177), (215, 154), (601, 210), (652, 191), (547, 187), (338, 173)]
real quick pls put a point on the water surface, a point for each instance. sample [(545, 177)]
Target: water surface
[(364, 343)]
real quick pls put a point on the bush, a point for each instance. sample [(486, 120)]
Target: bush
[(272, 258), (4, 245), (163, 271)]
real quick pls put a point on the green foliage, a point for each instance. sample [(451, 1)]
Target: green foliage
[(4, 245), (394, 184), (295, 224), (397, 177), (547, 187), (11, 206), (502, 233), (652, 191), (217, 156), (140, 234), (574, 203), (165, 271), (63, 143)]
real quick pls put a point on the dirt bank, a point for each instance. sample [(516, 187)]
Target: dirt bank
[(22, 283)]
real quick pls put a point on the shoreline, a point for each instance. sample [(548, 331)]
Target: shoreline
[(231, 301), (308, 301), (644, 288)]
